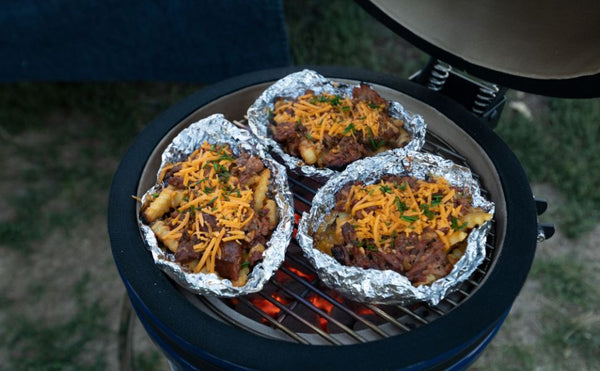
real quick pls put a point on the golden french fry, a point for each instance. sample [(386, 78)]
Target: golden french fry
[(161, 230), (160, 205), (260, 192), (307, 151)]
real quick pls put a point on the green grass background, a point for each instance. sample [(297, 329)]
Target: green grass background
[(558, 146)]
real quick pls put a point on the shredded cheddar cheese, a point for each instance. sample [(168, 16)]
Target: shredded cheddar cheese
[(409, 225), (210, 206), (380, 208), (331, 115)]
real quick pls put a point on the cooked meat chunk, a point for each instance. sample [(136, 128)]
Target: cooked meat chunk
[(229, 263), (185, 251), (365, 93)]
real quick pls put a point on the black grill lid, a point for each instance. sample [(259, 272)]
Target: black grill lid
[(548, 47)]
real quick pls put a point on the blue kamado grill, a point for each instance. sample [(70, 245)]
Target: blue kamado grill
[(296, 322)]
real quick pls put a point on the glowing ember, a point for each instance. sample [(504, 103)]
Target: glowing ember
[(325, 306), (307, 276), (296, 221), (268, 307), (364, 312), (283, 277)]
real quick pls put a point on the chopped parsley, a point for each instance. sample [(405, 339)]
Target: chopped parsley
[(436, 200), (410, 219), (350, 129), (385, 189), (455, 225)]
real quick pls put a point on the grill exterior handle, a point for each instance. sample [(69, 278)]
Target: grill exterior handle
[(544, 230)]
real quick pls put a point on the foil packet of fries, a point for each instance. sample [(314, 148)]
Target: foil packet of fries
[(220, 216), (397, 223), (317, 126)]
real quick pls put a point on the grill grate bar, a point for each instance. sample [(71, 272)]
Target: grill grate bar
[(387, 317), (303, 200), (337, 304), (412, 314), (300, 184), (321, 313), (272, 321), (289, 311)]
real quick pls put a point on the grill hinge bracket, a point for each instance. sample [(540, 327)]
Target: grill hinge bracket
[(484, 100)]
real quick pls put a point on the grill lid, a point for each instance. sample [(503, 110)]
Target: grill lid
[(544, 47)]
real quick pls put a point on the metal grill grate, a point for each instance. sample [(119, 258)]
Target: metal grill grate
[(295, 306)]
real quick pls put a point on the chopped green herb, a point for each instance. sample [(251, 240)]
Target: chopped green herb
[(245, 264), (335, 101), (400, 205), (374, 143), (200, 181), (436, 200), (410, 219), (359, 243), (455, 225), (225, 156), (371, 248), (401, 187), (350, 128), (428, 213), (385, 189)]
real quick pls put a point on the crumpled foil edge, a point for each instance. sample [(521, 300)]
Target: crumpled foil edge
[(294, 85), (217, 129), (386, 286)]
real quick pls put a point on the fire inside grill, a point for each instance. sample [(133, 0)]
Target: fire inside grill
[(296, 306)]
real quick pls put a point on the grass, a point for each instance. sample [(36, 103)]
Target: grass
[(572, 318), (61, 144), (66, 166), (562, 147), (58, 346)]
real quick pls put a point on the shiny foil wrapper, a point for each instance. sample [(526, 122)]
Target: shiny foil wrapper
[(217, 130), (295, 85), (386, 286)]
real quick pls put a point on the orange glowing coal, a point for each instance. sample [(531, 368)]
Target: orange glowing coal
[(325, 306), (283, 277), (364, 312), (296, 221), (268, 307), (307, 276)]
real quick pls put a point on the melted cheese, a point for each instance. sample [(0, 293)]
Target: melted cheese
[(329, 115), (210, 189), (381, 209)]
